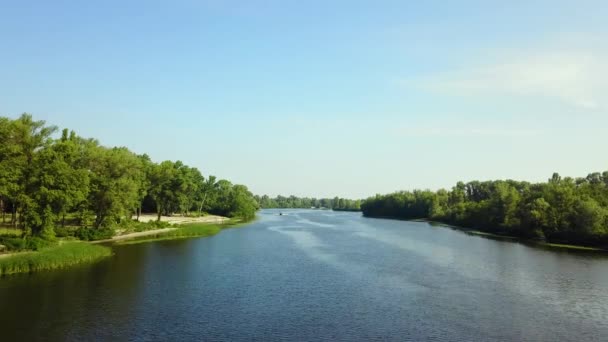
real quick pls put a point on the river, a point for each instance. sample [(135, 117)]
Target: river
[(312, 275)]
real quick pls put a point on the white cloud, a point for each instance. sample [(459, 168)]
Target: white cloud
[(577, 78)]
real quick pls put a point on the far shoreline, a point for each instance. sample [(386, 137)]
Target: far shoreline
[(502, 237)]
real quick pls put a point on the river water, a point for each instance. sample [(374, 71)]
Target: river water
[(316, 276)]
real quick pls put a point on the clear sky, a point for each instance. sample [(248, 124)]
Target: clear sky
[(322, 98)]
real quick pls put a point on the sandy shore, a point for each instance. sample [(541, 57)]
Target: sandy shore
[(182, 219), (170, 219)]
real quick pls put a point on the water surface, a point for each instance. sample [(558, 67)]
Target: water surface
[(316, 275)]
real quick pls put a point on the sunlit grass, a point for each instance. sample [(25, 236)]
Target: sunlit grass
[(64, 255), (10, 232), (183, 232)]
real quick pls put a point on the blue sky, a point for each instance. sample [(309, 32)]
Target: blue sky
[(321, 98)]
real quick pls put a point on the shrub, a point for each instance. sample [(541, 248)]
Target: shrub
[(35, 243), (134, 226), (92, 234), (13, 244), (63, 232)]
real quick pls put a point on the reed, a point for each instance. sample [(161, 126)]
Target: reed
[(63, 255)]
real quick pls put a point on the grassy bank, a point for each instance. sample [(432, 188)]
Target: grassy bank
[(185, 231), (76, 252), (64, 255)]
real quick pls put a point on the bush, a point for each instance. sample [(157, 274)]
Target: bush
[(158, 225), (22, 244), (92, 234), (13, 244), (63, 232), (135, 226), (35, 243)]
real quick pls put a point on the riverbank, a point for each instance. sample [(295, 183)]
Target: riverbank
[(504, 237), (69, 253), (135, 235), (60, 256), (187, 231)]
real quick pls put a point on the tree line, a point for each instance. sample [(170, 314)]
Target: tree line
[(336, 203), (48, 178), (567, 210)]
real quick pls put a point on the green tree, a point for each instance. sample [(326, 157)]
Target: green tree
[(115, 180)]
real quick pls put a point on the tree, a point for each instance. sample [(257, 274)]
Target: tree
[(209, 190), (115, 180), (161, 190), (27, 139), (59, 185)]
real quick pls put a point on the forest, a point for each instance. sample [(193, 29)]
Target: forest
[(336, 203), (51, 179), (561, 210)]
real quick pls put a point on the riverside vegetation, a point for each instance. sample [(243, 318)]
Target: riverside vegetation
[(559, 211), (186, 231), (55, 187), (336, 203)]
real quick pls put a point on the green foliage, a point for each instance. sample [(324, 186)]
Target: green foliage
[(13, 244), (10, 232), (192, 230), (561, 210), (337, 203), (35, 243), (182, 232), (63, 255), (115, 177), (63, 232), (94, 234), (31, 243), (44, 181), (135, 226)]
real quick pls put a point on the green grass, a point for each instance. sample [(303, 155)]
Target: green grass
[(183, 232), (10, 232), (63, 255)]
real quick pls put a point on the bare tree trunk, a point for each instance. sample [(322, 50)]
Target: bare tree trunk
[(2, 208), (63, 220), (138, 212), (200, 211), (159, 211), (99, 220)]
